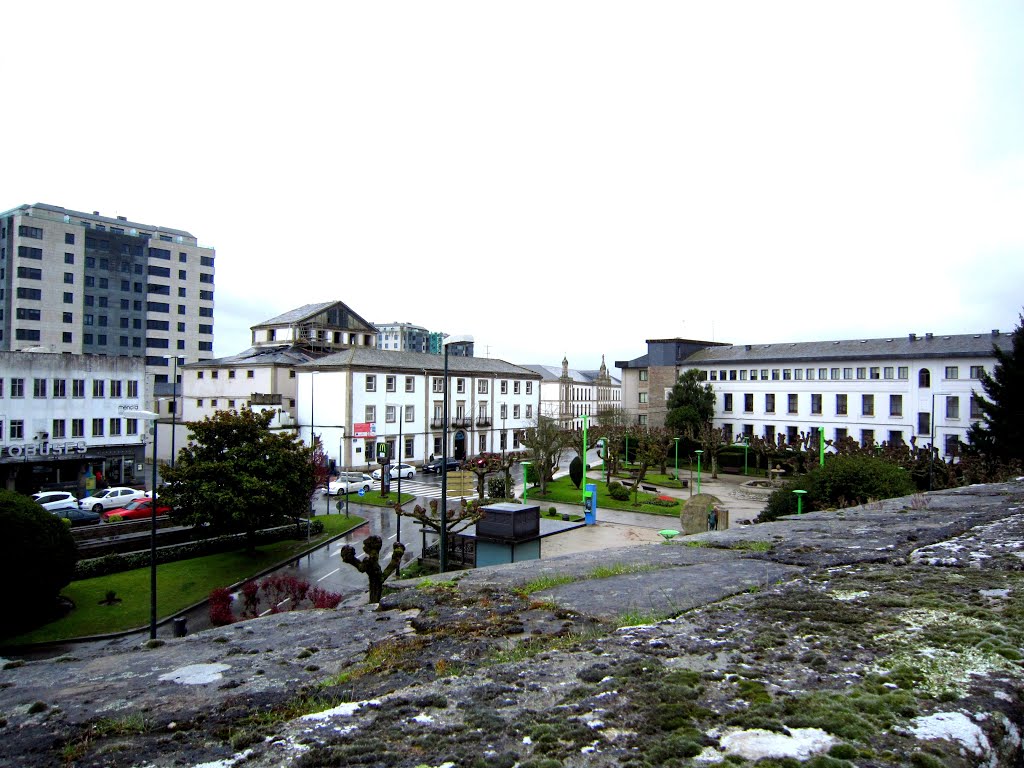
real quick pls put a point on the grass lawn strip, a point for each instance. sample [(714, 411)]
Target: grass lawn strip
[(179, 585), (563, 491)]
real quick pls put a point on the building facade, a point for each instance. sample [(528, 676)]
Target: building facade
[(403, 337), (567, 395), (358, 397), (66, 421), (889, 390), (84, 283)]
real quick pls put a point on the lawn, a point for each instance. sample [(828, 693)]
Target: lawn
[(179, 585), (562, 490), (372, 498)]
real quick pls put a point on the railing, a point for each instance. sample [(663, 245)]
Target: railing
[(483, 421), (461, 421), (436, 423)]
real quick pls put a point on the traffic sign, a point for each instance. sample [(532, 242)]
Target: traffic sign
[(362, 492)]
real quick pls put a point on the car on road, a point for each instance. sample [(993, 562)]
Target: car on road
[(350, 482), (140, 509), (55, 499), (111, 498), (77, 516), (397, 470), (435, 466)]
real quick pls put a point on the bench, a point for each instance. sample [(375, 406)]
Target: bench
[(651, 488), (730, 470)]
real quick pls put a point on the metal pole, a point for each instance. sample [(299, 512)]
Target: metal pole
[(821, 446), (698, 470), (526, 481), (931, 447), (174, 403), (443, 554), (746, 448), (401, 417), (152, 545), (677, 461), (584, 457)]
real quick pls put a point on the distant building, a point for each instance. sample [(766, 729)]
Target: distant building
[(872, 390), (66, 417), (402, 337), (84, 283), (568, 394)]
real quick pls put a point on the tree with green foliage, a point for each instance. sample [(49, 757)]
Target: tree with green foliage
[(237, 474), (545, 441), (690, 404), (998, 434), (37, 560)]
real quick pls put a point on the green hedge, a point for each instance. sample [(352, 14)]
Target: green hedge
[(103, 566)]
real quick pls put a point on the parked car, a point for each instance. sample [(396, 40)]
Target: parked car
[(140, 509), (350, 482), (77, 516), (112, 498), (55, 499), (397, 470), (435, 466)]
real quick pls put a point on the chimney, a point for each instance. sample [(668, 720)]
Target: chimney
[(95, 213), (995, 331), (748, 347), (928, 336), (122, 218), (912, 337)]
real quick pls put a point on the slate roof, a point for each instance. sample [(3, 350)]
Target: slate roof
[(284, 354), (897, 347), (307, 311), (417, 362)]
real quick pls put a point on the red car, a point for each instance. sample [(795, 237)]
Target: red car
[(140, 509)]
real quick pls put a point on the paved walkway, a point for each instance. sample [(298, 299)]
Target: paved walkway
[(618, 528)]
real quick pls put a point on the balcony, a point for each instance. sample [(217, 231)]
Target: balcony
[(461, 421), (436, 423), (483, 421)]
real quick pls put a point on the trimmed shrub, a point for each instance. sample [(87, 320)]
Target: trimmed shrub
[(37, 560), (618, 491), (843, 481), (496, 487), (576, 471)]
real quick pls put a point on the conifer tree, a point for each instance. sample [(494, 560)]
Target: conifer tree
[(1000, 432)]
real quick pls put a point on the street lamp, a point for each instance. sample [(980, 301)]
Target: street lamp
[(677, 461), (698, 470), (151, 416), (931, 448), (443, 554), (799, 500), (584, 457), (174, 402)]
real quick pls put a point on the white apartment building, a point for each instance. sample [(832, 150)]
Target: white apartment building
[(567, 394), (873, 390), (78, 282), (403, 337), (66, 418), (358, 397)]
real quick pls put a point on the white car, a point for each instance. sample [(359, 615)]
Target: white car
[(349, 482), (111, 498), (398, 470), (55, 499)]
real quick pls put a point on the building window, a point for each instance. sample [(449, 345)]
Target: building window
[(840, 405), (38, 387), (214, 403), (847, 373), (787, 374), (250, 374), (36, 233), (504, 387), (407, 448), (840, 433), (875, 372), (17, 429), (895, 437), (867, 405), (60, 388), (115, 388), (515, 387), (952, 372), (98, 387), (924, 378), (78, 428), (977, 371), (642, 397), (529, 387), (78, 387), (903, 373), (748, 403), (410, 412), (114, 425), (887, 372), (833, 374), (975, 408), (370, 413), (769, 403), (371, 383), (515, 411), (727, 402), (867, 438), (816, 404), (862, 373), (17, 387), (437, 385), (410, 384), (924, 423), (504, 411), (896, 405), (952, 407), (460, 386), (769, 433), (643, 374), (199, 402), (792, 403), (131, 426), (952, 445), (58, 430), (481, 387), (390, 383), (97, 427)]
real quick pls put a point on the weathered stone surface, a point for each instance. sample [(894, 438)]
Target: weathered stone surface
[(890, 634)]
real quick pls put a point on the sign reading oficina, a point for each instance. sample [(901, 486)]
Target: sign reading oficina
[(43, 449)]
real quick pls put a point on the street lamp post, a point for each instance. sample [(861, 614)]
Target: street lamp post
[(677, 462), (584, 483), (174, 404), (698, 470), (799, 500), (443, 554), (151, 416), (746, 449)]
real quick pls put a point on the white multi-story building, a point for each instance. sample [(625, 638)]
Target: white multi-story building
[(79, 282), (567, 394), (873, 390), (358, 397), (403, 337), (66, 418)]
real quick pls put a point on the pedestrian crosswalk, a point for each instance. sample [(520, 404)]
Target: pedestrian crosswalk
[(430, 490)]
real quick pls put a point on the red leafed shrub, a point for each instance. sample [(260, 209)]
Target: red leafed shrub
[(281, 587), (251, 598), (220, 607), (321, 598)]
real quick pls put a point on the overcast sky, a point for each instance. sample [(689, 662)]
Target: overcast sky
[(555, 178)]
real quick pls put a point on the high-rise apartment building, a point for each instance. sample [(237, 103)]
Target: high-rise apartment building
[(84, 283)]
